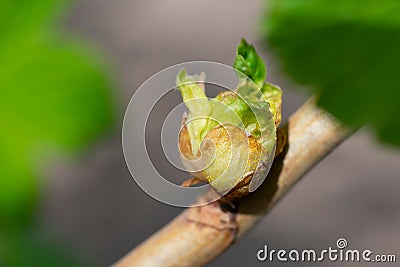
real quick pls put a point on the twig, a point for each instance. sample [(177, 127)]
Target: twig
[(200, 234)]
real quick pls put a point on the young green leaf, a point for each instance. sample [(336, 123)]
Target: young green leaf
[(197, 103), (250, 64)]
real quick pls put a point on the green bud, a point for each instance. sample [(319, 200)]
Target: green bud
[(229, 141)]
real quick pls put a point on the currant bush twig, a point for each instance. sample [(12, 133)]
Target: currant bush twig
[(200, 234)]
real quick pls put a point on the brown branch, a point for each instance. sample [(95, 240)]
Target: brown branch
[(200, 234)]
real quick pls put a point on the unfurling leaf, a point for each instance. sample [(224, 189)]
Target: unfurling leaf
[(250, 64)]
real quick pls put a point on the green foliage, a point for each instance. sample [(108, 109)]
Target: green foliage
[(197, 103), (28, 249), (347, 52), (53, 96), (249, 63), (251, 67)]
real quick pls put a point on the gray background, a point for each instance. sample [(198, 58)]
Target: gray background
[(92, 202)]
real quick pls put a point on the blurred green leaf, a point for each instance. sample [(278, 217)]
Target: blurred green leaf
[(28, 249), (348, 52), (53, 96)]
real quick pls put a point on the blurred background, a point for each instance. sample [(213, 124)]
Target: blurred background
[(66, 196)]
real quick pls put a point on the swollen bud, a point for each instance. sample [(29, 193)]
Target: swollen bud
[(229, 141)]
